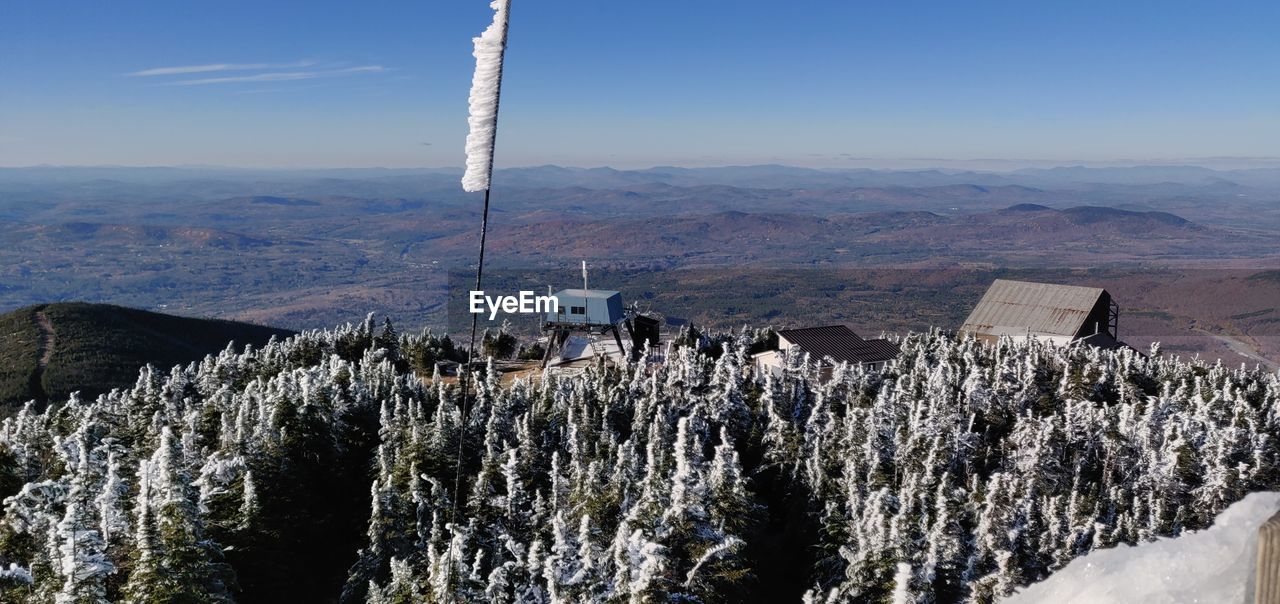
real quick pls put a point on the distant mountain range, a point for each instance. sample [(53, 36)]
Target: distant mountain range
[(49, 350), (384, 181), (310, 248)]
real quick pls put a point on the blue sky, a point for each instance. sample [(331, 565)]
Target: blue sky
[(630, 84)]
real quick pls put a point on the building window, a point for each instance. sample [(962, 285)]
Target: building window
[(578, 310)]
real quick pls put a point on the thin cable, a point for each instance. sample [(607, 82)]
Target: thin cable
[(466, 388), (471, 346)]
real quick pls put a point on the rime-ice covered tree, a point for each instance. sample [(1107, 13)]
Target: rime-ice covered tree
[(174, 561), (976, 468), (83, 564)]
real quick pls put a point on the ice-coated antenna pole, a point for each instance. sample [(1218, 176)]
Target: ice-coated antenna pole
[(486, 91)]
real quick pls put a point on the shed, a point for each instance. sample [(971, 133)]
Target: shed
[(837, 343), (829, 345), (587, 308), (1047, 311)]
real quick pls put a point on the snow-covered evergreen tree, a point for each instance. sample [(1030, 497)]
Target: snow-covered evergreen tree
[(976, 468)]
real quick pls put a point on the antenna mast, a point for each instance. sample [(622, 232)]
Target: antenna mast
[(486, 92)]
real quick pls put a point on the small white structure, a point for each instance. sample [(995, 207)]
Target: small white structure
[(829, 345), (587, 308), (587, 315), (580, 328)]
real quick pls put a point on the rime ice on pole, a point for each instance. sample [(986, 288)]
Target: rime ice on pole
[(485, 87)]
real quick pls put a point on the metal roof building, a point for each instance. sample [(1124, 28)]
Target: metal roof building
[(587, 308), (828, 345), (1047, 311), (838, 343)]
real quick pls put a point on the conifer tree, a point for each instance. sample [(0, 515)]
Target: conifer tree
[(175, 562)]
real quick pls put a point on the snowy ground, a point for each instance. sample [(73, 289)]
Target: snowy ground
[(1214, 565)]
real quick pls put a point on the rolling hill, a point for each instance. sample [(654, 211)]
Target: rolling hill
[(1023, 234), (49, 350)]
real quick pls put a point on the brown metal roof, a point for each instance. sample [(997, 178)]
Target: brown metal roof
[(840, 344), (1020, 307)]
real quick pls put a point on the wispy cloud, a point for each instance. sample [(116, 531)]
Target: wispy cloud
[(282, 76), (224, 73), (216, 67)]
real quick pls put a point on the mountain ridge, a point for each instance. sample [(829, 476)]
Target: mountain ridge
[(51, 350)]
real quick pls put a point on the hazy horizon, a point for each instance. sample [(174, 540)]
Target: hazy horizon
[(993, 165)]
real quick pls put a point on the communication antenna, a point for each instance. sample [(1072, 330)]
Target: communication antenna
[(585, 304), (486, 91)]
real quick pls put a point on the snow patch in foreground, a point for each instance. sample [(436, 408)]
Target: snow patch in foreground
[(1212, 565)]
